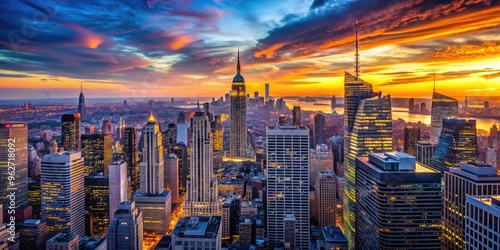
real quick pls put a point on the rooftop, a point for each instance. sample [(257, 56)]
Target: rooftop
[(62, 237), (490, 200), (334, 234), (198, 227)]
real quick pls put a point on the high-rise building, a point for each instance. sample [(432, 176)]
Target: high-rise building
[(131, 157), (202, 192), (34, 234), (204, 231), (107, 127), (367, 128), (97, 151), (172, 176), (288, 182), (63, 241), (181, 151), (319, 129), (169, 138), (424, 152), (411, 137), (34, 198), (182, 129), (482, 225), (238, 116), (333, 102), (125, 231), (443, 107), (457, 143), (218, 132), (289, 228), (70, 132), (34, 163), (62, 191), (491, 156), (393, 190), (411, 105), (153, 200), (96, 204), (117, 185), (320, 159), (468, 179), (296, 119), (81, 104), (14, 156), (266, 97), (326, 197)]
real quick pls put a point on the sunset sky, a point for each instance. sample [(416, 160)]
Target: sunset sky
[(165, 48)]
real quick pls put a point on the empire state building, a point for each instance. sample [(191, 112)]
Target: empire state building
[(238, 133), (81, 104)]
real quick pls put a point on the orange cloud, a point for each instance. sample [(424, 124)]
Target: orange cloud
[(180, 42), (268, 52), (87, 37)]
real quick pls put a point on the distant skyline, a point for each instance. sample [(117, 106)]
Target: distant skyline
[(151, 48)]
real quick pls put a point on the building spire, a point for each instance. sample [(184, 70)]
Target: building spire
[(81, 86), (356, 65), (238, 68)]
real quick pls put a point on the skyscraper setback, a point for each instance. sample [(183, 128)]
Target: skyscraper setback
[(238, 116)]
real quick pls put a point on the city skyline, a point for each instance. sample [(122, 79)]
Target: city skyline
[(154, 48)]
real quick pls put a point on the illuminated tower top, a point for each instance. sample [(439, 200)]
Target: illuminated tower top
[(238, 78)]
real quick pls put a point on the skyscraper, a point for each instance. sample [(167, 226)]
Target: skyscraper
[(367, 128), (296, 119), (131, 156), (457, 143), (62, 191), (238, 116), (107, 127), (181, 151), (182, 129), (70, 132), (153, 200), (81, 104), (482, 222), (202, 192), (319, 129), (14, 156), (411, 137), (117, 186), (125, 231), (266, 97), (96, 204), (468, 179), (443, 107), (218, 132), (326, 197), (172, 176), (288, 183), (399, 203), (424, 152), (97, 150)]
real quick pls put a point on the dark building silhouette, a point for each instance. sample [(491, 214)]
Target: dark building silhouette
[(181, 151), (411, 105), (96, 204), (411, 137), (296, 118), (319, 129), (81, 105), (131, 156)]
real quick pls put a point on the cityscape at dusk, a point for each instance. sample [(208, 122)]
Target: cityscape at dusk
[(249, 125)]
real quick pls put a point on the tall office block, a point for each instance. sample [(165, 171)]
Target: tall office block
[(491, 156), (96, 204), (181, 151), (443, 107), (326, 198), (399, 203), (70, 132), (296, 118), (62, 191), (81, 104), (97, 151), (117, 186), (202, 192), (34, 234), (107, 127), (238, 116), (172, 176), (217, 132), (457, 143), (288, 182), (319, 129), (131, 157), (152, 199), (482, 225), (411, 137), (266, 97), (125, 231), (424, 152), (367, 127), (14, 156), (289, 227), (468, 179)]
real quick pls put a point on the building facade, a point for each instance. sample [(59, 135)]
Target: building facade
[(411, 137), (125, 231), (97, 151), (70, 132), (96, 204), (443, 107), (319, 129), (482, 223), (131, 157), (238, 116), (327, 199), (424, 152)]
